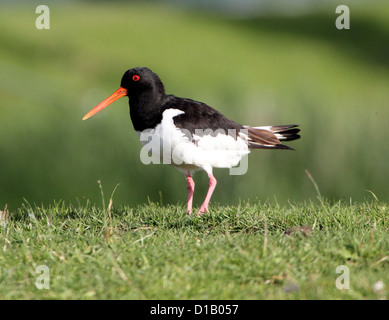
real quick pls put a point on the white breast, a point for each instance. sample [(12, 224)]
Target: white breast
[(170, 145)]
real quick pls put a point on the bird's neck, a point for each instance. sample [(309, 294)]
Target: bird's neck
[(146, 109)]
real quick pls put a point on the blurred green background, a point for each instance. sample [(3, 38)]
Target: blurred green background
[(259, 64)]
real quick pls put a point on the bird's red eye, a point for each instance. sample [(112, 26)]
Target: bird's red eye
[(135, 77)]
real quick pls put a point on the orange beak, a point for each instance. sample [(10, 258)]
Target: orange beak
[(121, 92)]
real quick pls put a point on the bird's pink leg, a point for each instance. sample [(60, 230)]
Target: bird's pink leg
[(212, 186), (191, 186)]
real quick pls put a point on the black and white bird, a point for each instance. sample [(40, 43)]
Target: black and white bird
[(188, 134)]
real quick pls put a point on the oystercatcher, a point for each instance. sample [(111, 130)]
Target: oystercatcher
[(189, 134)]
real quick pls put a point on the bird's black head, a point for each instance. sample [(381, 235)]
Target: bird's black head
[(142, 81), (141, 85)]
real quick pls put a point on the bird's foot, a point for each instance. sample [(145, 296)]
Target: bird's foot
[(202, 210)]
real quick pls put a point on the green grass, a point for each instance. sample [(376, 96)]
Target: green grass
[(253, 251), (270, 69)]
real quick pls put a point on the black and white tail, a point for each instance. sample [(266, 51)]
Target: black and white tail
[(270, 137)]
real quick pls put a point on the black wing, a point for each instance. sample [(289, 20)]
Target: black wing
[(199, 118)]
